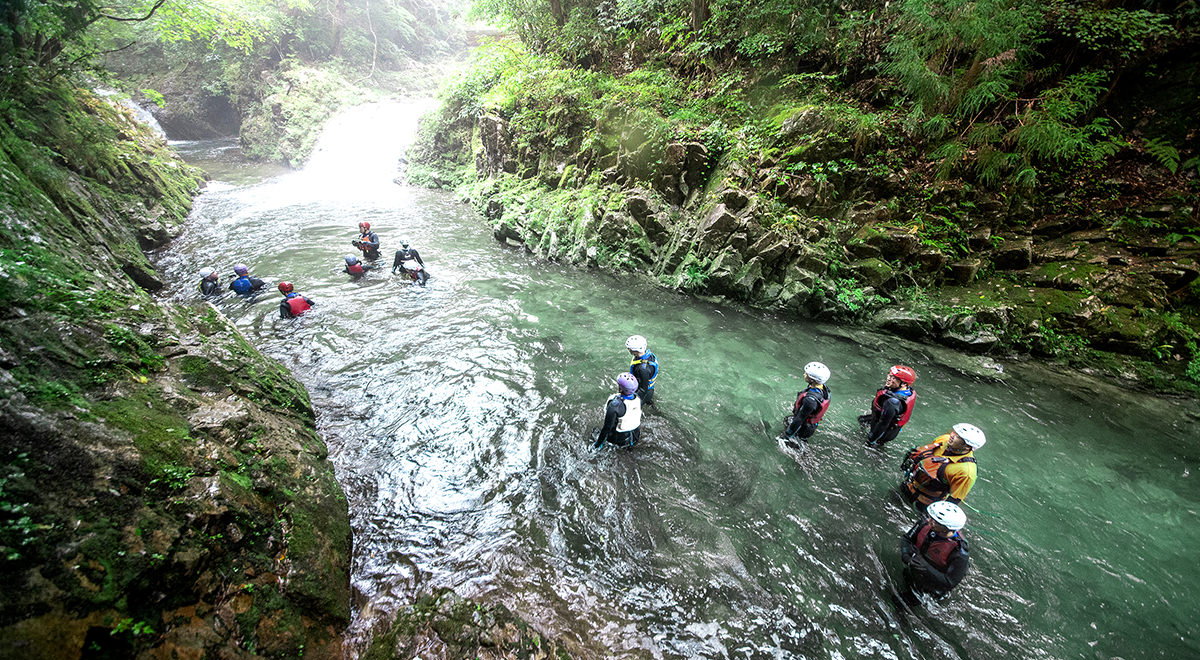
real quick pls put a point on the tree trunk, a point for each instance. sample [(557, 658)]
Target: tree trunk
[(700, 14), (556, 10), (339, 26)]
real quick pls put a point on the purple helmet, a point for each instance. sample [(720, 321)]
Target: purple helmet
[(241, 269), (627, 383)]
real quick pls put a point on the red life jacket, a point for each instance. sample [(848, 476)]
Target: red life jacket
[(356, 269), (906, 404), (936, 549), (816, 417), (298, 305)]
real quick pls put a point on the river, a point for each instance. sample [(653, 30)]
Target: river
[(456, 416)]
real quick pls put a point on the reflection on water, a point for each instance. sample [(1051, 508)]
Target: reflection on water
[(456, 416)]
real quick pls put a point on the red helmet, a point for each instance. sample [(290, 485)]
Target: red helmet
[(365, 226), (903, 374), (285, 287)]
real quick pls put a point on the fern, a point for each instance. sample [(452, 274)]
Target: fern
[(1164, 153)]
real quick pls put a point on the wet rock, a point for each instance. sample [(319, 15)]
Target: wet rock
[(980, 240), (860, 249), (906, 323), (963, 272), (747, 279), (1174, 274), (872, 272), (893, 244), (1014, 254), (697, 165), (770, 248), (668, 185), (931, 260), (979, 341), (735, 200), (674, 159)]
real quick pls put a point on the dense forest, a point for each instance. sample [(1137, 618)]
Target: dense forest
[(1011, 176)]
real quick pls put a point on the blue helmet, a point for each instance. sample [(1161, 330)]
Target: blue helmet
[(350, 258), (241, 269), (627, 383)]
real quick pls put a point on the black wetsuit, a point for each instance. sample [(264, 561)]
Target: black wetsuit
[(409, 254), (609, 434), (369, 245), (800, 427), (883, 423), (644, 369), (923, 576), (255, 285), (210, 287)]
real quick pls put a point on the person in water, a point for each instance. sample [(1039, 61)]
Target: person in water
[(406, 253), (943, 469), (210, 282), (355, 267), (891, 407), (934, 553), (367, 241), (643, 366), (293, 304), (622, 416), (245, 285), (810, 405)]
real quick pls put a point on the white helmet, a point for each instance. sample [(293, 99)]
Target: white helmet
[(205, 273), (970, 435), (818, 372), (947, 514), (636, 343)]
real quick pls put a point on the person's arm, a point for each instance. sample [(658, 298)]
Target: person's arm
[(396, 261), (934, 579), (285, 310), (417, 255), (888, 413), (310, 303), (256, 284), (373, 240), (908, 543), (615, 408)]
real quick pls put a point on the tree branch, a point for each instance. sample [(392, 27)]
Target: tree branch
[(135, 19)]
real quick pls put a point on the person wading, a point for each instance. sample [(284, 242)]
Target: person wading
[(810, 406), (943, 469), (622, 416), (891, 407), (934, 553)]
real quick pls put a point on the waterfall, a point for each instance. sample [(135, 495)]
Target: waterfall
[(141, 114)]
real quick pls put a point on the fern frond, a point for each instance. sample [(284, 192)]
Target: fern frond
[(1164, 153)]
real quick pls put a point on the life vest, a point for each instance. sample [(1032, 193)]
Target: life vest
[(242, 284), (650, 359), (633, 413), (355, 269), (928, 474), (906, 399), (370, 242), (297, 304), (816, 417), (937, 549)]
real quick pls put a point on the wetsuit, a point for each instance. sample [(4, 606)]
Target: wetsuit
[(622, 421), (294, 305), (210, 287), (934, 475), (645, 369), (409, 254), (933, 564), (246, 285), (810, 407), (368, 242), (890, 411)]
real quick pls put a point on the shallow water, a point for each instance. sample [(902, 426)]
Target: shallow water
[(456, 417)]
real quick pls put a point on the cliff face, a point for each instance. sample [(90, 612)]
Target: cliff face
[(163, 492), (827, 218)]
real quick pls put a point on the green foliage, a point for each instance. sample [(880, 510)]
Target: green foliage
[(1164, 153)]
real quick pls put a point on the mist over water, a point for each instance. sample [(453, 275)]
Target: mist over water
[(457, 415)]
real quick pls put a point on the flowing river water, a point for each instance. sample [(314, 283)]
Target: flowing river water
[(456, 417)]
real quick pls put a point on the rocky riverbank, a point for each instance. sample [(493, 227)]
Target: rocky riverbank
[(163, 491), (827, 218)]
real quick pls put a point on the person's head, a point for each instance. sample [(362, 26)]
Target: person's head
[(816, 373), (351, 259), (209, 274), (627, 384), (404, 242), (241, 270), (286, 288), (364, 227), (964, 438), (900, 376), (636, 344), (946, 516)]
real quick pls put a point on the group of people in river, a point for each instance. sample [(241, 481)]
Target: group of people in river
[(407, 261), (937, 476)]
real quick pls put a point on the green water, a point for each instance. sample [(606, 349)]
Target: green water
[(456, 417)]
